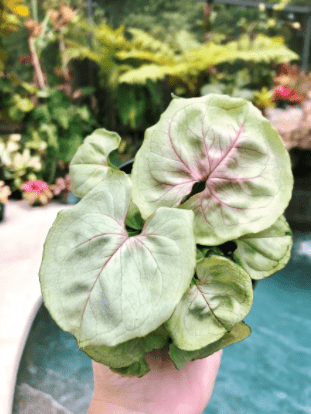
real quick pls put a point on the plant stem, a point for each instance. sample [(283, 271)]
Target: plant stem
[(207, 11), (35, 63), (62, 49), (34, 7), (53, 171)]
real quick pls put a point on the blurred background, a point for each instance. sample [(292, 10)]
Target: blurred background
[(68, 67)]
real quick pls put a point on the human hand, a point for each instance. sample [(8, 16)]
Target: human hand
[(164, 390)]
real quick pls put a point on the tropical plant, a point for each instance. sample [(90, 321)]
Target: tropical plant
[(167, 254), (17, 162), (61, 126), (264, 99), (191, 62), (139, 59), (235, 85), (10, 11), (161, 18), (15, 99)]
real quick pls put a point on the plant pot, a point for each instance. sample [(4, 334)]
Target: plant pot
[(2, 207)]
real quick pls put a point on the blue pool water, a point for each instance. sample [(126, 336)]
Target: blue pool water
[(268, 373)]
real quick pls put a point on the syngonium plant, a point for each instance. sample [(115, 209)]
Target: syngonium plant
[(142, 261)]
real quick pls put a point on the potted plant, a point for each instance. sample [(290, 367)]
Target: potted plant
[(5, 192), (166, 255)]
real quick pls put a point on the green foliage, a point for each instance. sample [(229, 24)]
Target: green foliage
[(53, 131), (236, 85), (159, 269), (190, 63), (8, 23), (18, 163), (138, 104), (61, 125), (161, 281), (204, 314), (90, 164), (15, 99), (180, 357), (232, 21), (160, 18), (266, 252), (264, 99), (132, 60)]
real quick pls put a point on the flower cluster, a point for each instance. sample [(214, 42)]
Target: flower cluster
[(288, 95), (61, 185), (34, 28), (292, 84), (36, 191), (62, 16)]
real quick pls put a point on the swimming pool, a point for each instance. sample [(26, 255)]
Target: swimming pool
[(268, 373)]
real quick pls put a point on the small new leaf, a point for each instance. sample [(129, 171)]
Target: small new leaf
[(180, 357), (221, 298), (264, 253), (90, 164)]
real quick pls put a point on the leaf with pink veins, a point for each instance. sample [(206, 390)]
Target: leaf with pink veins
[(219, 157)]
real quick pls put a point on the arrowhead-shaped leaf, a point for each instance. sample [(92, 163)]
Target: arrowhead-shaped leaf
[(219, 157), (105, 287), (180, 357), (266, 252), (221, 298), (90, 164)]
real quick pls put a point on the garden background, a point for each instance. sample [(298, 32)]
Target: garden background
[(69, 67)]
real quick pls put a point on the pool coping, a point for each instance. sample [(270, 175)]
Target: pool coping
[(20, 350), (22, 235)]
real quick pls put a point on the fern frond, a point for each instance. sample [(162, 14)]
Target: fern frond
[(209, 55), (152, 72), (110, 37), (76, 51), (183, 41), (262, 49), (145, 41), (157, 58)]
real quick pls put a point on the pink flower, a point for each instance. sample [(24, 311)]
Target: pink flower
[(287, 94), (35, 187), (284, 93)]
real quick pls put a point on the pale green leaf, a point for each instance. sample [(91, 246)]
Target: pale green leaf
[(221, 298), (266, 252), (105, 287), (224, 158), (180, 357), (90, 164), (129, 352)]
